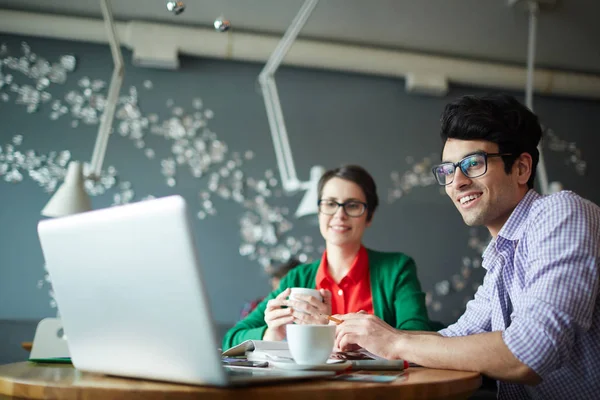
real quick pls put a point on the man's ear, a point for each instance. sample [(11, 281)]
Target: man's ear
[(523, 166)]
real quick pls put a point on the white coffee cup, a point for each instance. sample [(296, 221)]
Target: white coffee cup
[(305, 292), (310, 344)]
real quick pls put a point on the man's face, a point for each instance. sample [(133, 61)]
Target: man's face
[(488, 199)]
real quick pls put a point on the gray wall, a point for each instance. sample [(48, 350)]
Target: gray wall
[(12, 334), (332, 118)]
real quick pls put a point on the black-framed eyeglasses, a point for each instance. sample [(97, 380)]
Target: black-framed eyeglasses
[(352, 208), (472, 166)]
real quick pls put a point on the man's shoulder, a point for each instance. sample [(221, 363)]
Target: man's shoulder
[(565, 213), (536, 213), (563, 202)]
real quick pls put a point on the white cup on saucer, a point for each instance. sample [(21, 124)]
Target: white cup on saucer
[(305, 292), (310, 344)]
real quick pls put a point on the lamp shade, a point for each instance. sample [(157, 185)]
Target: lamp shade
[(309, 204), (71, 197)]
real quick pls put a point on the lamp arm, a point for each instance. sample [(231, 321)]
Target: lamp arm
[(266, 79), (288, 38), (113, 92), (531, 45), (276, 135), (284, 139)]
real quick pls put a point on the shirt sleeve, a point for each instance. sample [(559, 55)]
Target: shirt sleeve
[(561, 285), (477, 317), (409, 302)]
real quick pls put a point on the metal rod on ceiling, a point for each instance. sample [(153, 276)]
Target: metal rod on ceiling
[(533, 7)]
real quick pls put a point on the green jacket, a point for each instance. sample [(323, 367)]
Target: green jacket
[(395, 289)]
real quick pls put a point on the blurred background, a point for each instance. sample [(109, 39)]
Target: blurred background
[(364, 83)]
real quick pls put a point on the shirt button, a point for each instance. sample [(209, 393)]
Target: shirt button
[(340, 292)]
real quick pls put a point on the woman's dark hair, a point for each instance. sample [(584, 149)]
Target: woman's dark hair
[(280, 271), (499, 119), (361, 177)]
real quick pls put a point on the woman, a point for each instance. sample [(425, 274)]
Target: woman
[(350, 277)]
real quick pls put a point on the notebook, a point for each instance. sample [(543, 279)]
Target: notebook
[(277, 352), (131, 295), (260, 350)]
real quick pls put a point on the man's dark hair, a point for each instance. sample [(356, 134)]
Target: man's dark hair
[(361, 177), (499, 119), (280, 271)]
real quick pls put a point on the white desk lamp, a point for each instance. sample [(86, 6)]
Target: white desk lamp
[(283, 152), (71, 197)]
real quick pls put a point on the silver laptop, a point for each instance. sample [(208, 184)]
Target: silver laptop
[(132, 299)]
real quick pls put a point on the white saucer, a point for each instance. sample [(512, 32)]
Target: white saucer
[(290, 365)]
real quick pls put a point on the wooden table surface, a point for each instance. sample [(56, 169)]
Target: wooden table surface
[(62, 381)]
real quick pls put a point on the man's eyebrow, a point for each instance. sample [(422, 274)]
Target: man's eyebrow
[(466, 155)]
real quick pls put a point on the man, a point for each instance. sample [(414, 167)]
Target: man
[(534, 324)]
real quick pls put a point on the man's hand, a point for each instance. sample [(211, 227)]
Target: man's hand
[(369, 332)]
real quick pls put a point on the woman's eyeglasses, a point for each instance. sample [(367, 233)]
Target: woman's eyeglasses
[(352, 208)]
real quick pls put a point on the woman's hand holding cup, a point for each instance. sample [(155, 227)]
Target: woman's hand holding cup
[(278, 317), (304, 306), (310, 306)]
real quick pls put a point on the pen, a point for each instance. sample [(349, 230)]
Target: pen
[(334, 319)]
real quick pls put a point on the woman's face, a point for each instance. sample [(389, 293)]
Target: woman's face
[(340, 229)]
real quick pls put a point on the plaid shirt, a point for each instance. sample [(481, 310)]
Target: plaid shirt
[(541, 290)]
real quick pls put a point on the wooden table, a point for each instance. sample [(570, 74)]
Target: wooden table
[(62, 381)]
